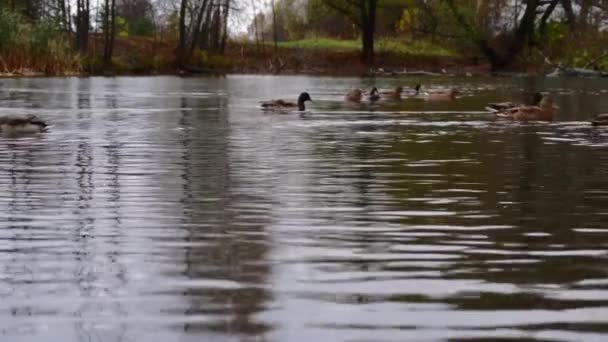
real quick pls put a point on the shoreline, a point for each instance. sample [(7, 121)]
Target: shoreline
[(248, 59), (346, 72)]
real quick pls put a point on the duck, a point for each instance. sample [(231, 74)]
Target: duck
[(22, 124), (435, 95), (374, 95), (354, 95), (286, 105), (392, 94), (543, 112), (600, 120), (498, 107)]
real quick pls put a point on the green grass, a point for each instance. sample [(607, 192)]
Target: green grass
[(382, 45)]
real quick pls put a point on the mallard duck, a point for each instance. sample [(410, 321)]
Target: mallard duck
[(416, 91), (498, 107), (22, 124), (392, 94), (600, 120), (287, 105), (353, 95), (543, 112), (374, 95), (448, 94)]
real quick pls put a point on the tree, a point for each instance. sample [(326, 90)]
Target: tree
[(82, 21), (139, 15), (513, 42), (181, 48), (109, 31), (363, 14)]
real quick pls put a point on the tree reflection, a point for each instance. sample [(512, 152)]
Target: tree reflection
[(226, 238)]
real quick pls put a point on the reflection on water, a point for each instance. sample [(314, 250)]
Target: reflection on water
[(162, 209)]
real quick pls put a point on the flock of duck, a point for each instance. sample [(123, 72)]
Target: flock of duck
[(541, 108)]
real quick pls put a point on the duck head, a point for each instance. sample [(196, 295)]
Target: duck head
[(453, 92), (547, 103), (303, 98)]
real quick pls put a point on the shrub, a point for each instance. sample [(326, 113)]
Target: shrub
[(40, 47)]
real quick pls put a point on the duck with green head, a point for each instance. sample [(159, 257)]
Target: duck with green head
[(281, 105), (374, 95)]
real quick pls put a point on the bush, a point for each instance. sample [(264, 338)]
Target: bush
[(12, 27), (40, 48)]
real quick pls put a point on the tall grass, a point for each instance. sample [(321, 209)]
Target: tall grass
[(39, 48)]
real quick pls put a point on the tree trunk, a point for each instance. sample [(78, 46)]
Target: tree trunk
[(64, 15), (207, 26), (275, 37), (542, 27), (215, 29), (181, 49), (569, 12), (107, 59), (368, 28), (196, 31), (225, 29), (112, 30), (82, 25), (255, 26)]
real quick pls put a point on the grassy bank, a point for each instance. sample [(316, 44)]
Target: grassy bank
[(39, 55), (382, 45), (342, 57)]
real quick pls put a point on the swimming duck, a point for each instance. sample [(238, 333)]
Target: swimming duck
[(393, 94), (449, 94), (354, 95), (286, 105), (600, 120), (499, 107), (22, 124), (543, 112), (374, 95)]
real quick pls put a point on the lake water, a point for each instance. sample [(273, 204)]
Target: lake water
[(173, 209)]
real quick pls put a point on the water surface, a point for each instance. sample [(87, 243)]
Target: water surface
[(172, 209)]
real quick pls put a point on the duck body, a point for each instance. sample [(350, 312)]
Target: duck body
[(22, 124), (392, 94), (600, 120), (282, 105), (543, 112), (440, 95), (499, 107), (354, 95)]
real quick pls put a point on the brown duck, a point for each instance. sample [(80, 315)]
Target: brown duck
[(543, 112)]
